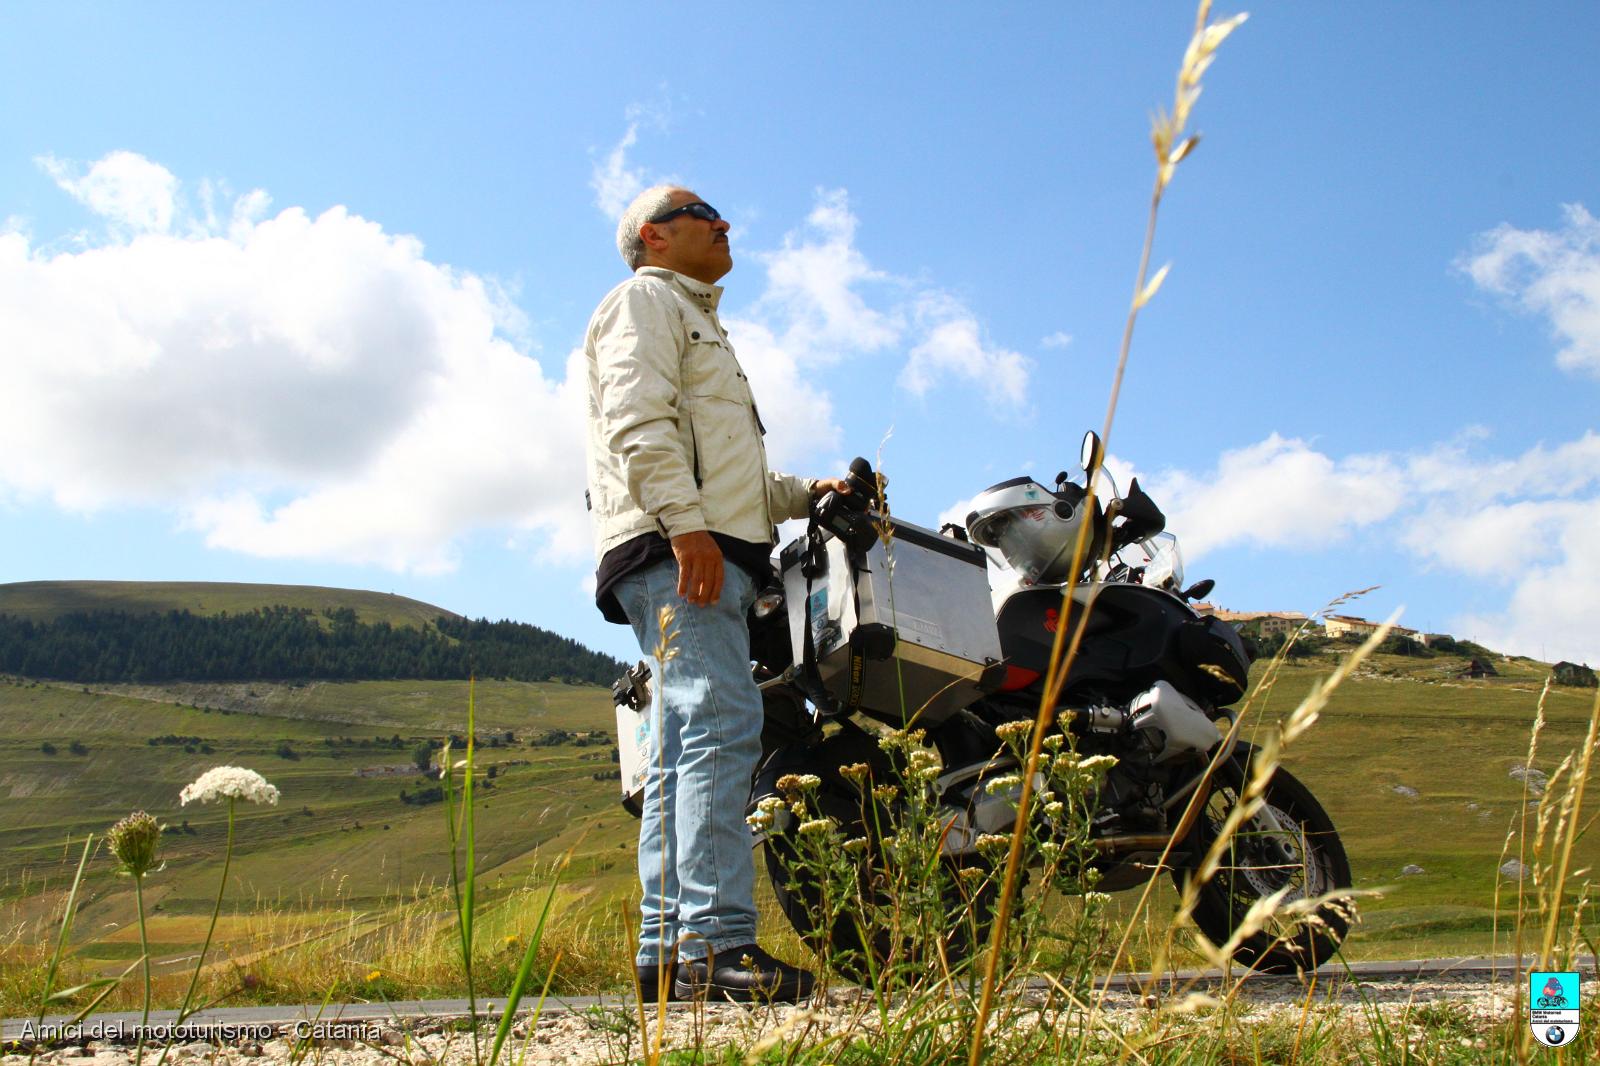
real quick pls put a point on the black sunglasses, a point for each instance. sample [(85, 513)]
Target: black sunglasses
[(699, 209)]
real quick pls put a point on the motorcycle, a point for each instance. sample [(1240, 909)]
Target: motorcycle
[(883, 623)]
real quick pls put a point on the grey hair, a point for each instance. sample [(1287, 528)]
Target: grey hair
[(645, 206)]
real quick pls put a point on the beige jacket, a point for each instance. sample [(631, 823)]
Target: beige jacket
[(674, 442)]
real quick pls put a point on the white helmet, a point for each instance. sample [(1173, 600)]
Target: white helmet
[(1034, 529)]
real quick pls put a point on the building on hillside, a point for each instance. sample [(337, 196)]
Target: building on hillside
[(1203, 609), (1565, 673), (1268, 623), (1348, 625)]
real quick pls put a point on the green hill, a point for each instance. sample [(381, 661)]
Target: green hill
[(135, 632), (42, 601)]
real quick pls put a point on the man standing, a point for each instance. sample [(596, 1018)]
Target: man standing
[(685, 512)]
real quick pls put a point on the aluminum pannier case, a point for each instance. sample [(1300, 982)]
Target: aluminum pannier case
[(904, 630)]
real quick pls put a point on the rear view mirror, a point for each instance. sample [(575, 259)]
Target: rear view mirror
[(1091, 454)]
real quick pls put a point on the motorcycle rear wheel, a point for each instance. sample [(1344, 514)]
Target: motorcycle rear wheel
[(1307, 857)]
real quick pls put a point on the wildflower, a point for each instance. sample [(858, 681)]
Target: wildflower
[(885, 793), (1054, 808), (761, 820), (798, 782), (1096, 899), (1049, 849), (1053, 742), (924, 765), (229, 782), (374, 975), (816, 825), (856, 772), (1003, 783), (993, 841), (972, 874), (855, 845), (134, 841), (902, 740), (1097, 762), (1013, 730)]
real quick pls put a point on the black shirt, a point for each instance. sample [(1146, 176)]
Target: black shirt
[(647, 549)]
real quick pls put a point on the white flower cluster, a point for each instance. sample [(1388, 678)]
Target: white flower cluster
[(766, 813), (1014, 730), (923, 765), (1003, 783), (229, 782)]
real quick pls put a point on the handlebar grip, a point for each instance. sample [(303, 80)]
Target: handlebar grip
[(863, 480)]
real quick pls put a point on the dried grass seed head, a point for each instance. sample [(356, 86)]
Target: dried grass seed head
[(134, 841)]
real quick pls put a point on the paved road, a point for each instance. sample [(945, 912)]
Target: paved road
[(1502, 969)]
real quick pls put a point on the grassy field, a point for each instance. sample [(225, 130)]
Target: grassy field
[(1412, 763), (340, 841), (45, 600)]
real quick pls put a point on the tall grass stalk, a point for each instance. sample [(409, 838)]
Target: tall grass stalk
[(65, 933), (211, 927), (1172, 145), (458, 823)]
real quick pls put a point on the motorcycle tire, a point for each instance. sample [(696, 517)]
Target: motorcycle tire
[(844, 945), (1310, 859)]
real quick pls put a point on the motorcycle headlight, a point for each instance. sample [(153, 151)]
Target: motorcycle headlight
[(767, 602)]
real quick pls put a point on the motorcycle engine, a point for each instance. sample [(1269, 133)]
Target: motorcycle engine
[(1173, 725)]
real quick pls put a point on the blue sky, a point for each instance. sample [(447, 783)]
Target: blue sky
[(290, 293)]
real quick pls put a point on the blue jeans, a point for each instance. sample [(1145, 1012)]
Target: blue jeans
[(695, 862)]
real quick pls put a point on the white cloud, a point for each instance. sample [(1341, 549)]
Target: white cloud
[(1528, 524), (1550, 613), (615, 184), (813, 285), (1278, 493), (1554, 274), (797, 413), (127, 190), (1058, 339), (293, 386), (817, 306), (952, 346), (314, 387)]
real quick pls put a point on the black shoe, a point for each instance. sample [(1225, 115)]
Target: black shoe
[(652, 978), (743, 974)]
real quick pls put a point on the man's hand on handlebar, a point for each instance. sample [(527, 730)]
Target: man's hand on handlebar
[(826, 485)]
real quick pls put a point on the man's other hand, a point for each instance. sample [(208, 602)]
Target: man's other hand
[(699, 567), (826, 485)]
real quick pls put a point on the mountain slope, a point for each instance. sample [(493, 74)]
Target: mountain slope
[(42, 601)]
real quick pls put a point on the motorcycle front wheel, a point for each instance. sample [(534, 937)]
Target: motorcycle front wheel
[(1291, 844)]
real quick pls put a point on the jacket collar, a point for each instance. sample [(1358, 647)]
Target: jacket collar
[(707, 296)]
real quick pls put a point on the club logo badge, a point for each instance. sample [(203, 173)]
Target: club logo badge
[(1553, 1000)]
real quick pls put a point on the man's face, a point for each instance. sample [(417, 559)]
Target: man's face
[(691, 246)]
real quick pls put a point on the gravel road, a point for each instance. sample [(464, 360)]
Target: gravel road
[(573, 1033)]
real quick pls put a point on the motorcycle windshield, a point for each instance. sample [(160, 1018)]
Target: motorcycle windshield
[(1164, 570)]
